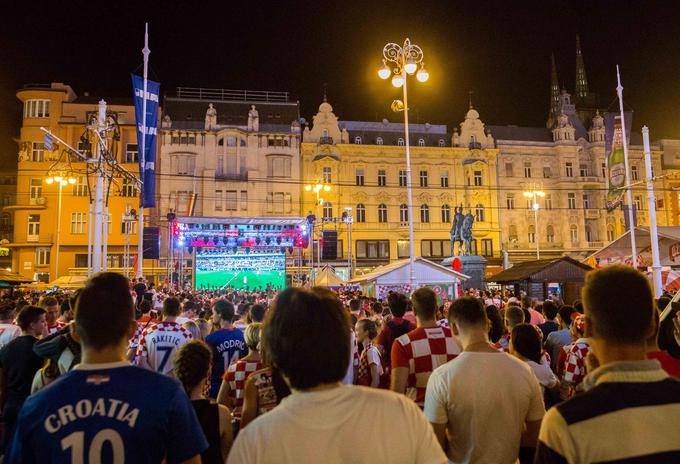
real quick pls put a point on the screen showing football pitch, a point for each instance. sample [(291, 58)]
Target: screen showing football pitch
[(215, 270)]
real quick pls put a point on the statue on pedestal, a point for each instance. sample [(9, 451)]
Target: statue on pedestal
[(461, 232), (210, 117)]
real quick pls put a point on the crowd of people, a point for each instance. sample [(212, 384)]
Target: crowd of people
[(122, 372)]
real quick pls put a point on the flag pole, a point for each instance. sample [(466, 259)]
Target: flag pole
[(654, 235), (142, 152), (619, 91)]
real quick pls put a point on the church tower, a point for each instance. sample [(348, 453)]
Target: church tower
[(581, 88), (554, 95)]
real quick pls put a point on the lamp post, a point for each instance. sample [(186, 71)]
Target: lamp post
[(404, 62), (534, 194), (61, 180), (317, 189), (349, 219)]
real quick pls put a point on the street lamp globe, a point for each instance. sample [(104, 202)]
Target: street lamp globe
[(308, 188), (57, 178), (327, 188), (384, 72), (397, 80), (71, 180), (536, 206), (422, 75), (49, 180), (410, 66), (63, 182)]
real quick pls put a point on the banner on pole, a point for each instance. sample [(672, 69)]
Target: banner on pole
[(147, 158), (614, 155)]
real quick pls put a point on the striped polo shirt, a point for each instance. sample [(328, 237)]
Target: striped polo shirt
[(629, 414)]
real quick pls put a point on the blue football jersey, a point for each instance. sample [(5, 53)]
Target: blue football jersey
[(108, 413), (227, 346)]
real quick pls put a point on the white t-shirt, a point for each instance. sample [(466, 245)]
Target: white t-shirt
[(485, 399), (349, 376), (8, 332), (342, 424), (546, 377)]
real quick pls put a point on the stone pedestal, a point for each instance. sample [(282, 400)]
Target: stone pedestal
[(473, 266)]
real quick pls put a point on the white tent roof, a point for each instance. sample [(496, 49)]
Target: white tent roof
[(328, 278), (397, 273), (619, 250), (69, 282)]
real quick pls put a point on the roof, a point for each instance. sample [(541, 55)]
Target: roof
[(328, 278), (620, 249), (420, 263), (531, 134), (11, 278), (537, 270), (391, 132)]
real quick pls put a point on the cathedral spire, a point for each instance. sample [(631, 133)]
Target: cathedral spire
[(554, 94), (581, 89)]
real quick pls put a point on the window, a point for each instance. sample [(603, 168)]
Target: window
[(131, 153), (36, 109), (85, 148), (80, 187), (403, 213), (78, 223), (442, 143), (219, 169), (487, 247), (610, 233), (509, 170), (402, 178), (446, 214), (128, 189), (527, 169), (421, 142), (244, 200), (359, 177), (512, 233), (278, 166), (327, 210), (382, 178), (36, 188), (218, 200), (400, 142), (571, 200), (357, 140), (532, 234), (42, 256), (38, 151), (637, 200), (583, 170), (361, 213), (547, 172), (586, 201), (478, 178), (435, 248), (573, 233), (423, 178), (326, 175), (379, 141), (589, 234), (444, 178), (231, 202), (382, 213), (128, 227), (569, 170), (479, 212), (510, 201), (373, 249), (403, 249), (34, 225), (424, 213), (634, 172), (547, 200), (550, 234)]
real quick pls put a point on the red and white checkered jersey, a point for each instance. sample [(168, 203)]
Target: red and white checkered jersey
[(56, 327), (575, 365), (421, 351), (236, 375), (142, 324), (159, 343)]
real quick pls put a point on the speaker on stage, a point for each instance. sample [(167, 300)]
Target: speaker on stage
[(152, 242), (330, 245)]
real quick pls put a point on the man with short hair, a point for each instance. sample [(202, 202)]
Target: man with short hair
[(106, 410), (227, 343), (486, 402), (51, 306), (159, 342), (514, 315), (559, 338), (256, 313), (8, 330), (630, 409), (416, 354), (549, 310), (395, 327), (323, 420), (140, 290)]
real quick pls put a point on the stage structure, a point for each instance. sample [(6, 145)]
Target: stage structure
[(240, 253)]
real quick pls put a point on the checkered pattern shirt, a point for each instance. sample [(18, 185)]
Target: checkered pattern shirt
[(364, 371), (421, 351), (575, 365), (236, 375), (159, 343), (56, 327), (503, 344), (443, 323)]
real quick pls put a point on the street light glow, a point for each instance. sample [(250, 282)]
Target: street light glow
[(410, 66), (308, 188), (384, 72), (49, 180), (327, 188), (422, 75), (397, 80)]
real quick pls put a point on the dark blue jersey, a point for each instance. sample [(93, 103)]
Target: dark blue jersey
[(108, 413), (227, 346)]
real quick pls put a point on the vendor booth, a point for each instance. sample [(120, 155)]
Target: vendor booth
[(619, 251), (328, 278)]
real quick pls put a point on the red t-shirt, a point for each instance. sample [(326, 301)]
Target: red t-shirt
[(668, 362), (421, 351)]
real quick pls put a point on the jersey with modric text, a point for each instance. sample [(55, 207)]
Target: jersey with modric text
[(159, 343), (227, 346), (96, 413)]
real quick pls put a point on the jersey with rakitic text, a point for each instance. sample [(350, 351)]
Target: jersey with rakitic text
[(159, 343), (108, 413)]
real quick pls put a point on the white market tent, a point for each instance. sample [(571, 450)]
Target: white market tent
[(69, 282), (395, 276), (328, 278), (619, 251)]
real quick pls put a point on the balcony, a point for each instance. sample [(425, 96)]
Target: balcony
[(592, 213), (35, 203), (24, 239), (326, 140), (231, 176), (595, 244)]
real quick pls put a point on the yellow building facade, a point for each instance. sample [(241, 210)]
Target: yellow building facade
[(34, 245)]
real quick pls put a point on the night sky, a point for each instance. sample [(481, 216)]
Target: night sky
[(498, 50)]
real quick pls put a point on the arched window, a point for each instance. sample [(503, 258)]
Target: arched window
[(400, 142), (421, 142), (361, 213), (403, 213), (532, 234), (573, 233), (327, 210), (480, 213), (220, 143), (357, 140), (442, 143), (550, 234), (379, 141), (512, 233), (231, 141), (424, 213), (382, 212), (446, 214)]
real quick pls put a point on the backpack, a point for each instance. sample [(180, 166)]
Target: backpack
[(395, 331)]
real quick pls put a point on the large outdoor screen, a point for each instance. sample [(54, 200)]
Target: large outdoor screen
[(215, 270)]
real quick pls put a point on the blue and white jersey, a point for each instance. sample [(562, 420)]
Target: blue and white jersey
[(108, 413), (228, 346)]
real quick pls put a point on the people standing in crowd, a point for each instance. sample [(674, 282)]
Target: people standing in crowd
[(416, 354), (496, 326), (574, 357), (549, 311), (8, 330), (18, 365), (105, 407), (66, 311), (192, 367), (668, 362), (192, 328), (159, 342), (526, 345), (394, 327), (484, 404), (262, 392), (256, 313), (556, 340), (51, 306), (145, 320), (324, 420), (140, 290), (371, 372), (536, 317), (630, 407), (514, 315), (226, 342)]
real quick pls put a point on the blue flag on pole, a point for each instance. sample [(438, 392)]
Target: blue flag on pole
[(147, 157), (48, 142)]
